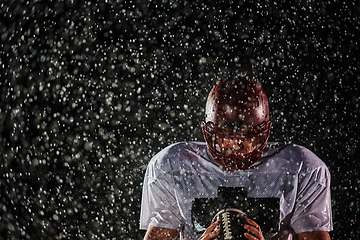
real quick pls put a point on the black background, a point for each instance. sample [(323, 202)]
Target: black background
[(90, 91)]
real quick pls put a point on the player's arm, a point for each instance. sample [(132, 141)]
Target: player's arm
[(159, 233), (317, 235), (256, 233)]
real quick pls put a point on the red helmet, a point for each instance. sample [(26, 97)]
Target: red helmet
[(237, 125)]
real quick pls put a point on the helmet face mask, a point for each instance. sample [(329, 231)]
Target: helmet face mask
[(236, 150), (237, 125)]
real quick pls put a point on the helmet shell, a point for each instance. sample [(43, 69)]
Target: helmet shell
[(237, 99)]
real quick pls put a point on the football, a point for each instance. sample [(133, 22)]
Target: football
[(231, 224)]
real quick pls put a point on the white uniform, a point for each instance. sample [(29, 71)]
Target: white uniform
[(185, 171)]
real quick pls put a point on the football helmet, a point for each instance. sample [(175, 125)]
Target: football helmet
[(237, 123)]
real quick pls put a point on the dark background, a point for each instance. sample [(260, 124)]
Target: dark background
[(90, 91)]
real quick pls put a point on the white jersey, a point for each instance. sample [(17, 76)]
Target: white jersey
[(184, 172)]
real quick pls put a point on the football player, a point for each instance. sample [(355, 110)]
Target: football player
[(283, 188)]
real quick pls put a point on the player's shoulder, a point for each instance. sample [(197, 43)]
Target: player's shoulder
[(309, 160), (176, 154), (180, 150), (291, 156)]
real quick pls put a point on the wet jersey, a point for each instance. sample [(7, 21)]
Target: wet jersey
[(180, 178)]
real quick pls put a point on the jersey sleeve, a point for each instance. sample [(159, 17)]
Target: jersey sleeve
[(159, 204), (312, 210)]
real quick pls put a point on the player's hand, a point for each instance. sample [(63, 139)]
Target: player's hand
[(254, 229), (210, 232)]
